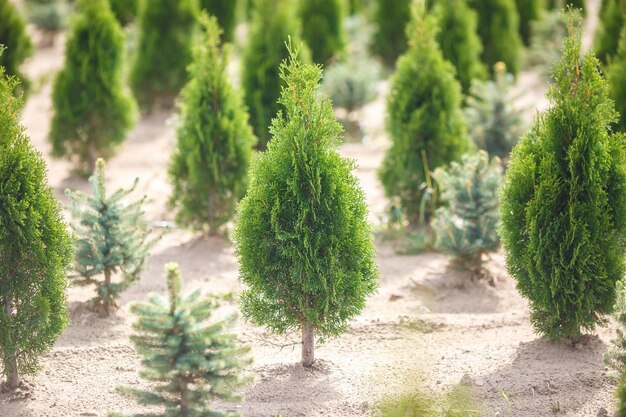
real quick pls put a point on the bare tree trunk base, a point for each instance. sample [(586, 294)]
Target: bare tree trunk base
[(308, 345)]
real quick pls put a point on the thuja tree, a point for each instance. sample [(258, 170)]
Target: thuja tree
[(466, 226), (226, 14), (14, 37), (564, 202), (92, 110), (616, 74), (609, 29), (35, 248), (322, 28), (159, 70), (189, 359), (615, 357), (459, 41), (391, 18), (209, 168), (50, 17), (304, 245), (498, 24), (621, 397), (273, 22), (125, 11), (112, 241), (528, 11), (495, 121), (424, 118)]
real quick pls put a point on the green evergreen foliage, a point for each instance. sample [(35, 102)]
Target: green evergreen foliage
[(606, 40), (113, 240), (35, 248), (50, 16), (615, 357), (564, 202), (495, 121), (304, 245), (225, 12), (166, 32), (616, 75), (189, 360), (322, 28), (459, 41), (621, 396), (93, 113), (391, 19), (498, 28), (466, 226), (14, 37), (528, 11), (424, 119), (125, 11), (209, 168), (273, 22)]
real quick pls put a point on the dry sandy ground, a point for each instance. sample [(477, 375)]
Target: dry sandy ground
[(421, 331)]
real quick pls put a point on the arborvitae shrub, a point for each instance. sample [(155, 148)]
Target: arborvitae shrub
[(304, 245), (466, 226), (391, 18), (564, 202), (93, 112), (621, 397), (125, 11), (322, 28), (226, 13), (273, 22), (50, 16), (112, 238), (166, 31), (35, 248), (528, 11), (14, 37), (615, 357), (424, 118), (209, 168), (459, 40), (189, 361), (494, 120), (498, 27), (611, 22), (616, 75)]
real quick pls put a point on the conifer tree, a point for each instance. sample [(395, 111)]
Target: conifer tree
[(35, 248), (391, 18), (609, 28), (616, 75), (322, 28), (226, 14), (494, 120), (615, 357), (189, 360), (498, 28), (125, 11), (621, 397), (210, 165), (466, 226), (424, 118), (50, 17), (166, 31), (459, 40), (92, 111), (15, 39), (273, 22), (564, 202), (305, 249), (528, 11), (112, 238)]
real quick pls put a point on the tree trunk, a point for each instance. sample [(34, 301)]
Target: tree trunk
[(308, 345), (107, 293), (10, 362), (92, 157), (211, 213)]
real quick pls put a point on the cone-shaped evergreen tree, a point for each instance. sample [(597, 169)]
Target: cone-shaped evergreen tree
[(498, 27), (50, 17), (564, 202), (466, 226), (273, 21), (616, 75), (92, 111), (210, 165), (112, 238), (615, 357), (14, 37), (322, 28), (305, 249), (611, 22), (35, 248), (424, 118), (494, 120), (226, 13), (391, 18), (190, 361), (621, 397), (166, 30), (125, 11), (528, 11), (459, 40)]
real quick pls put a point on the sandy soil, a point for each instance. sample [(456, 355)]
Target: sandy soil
[(425, 329)]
